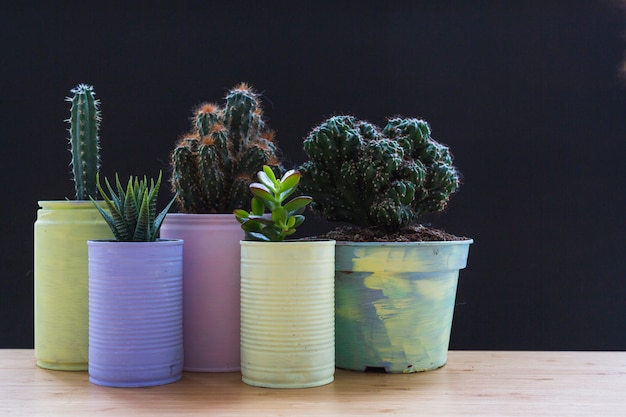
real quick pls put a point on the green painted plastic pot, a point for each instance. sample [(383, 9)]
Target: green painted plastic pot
[(61, 281), (394, 304)]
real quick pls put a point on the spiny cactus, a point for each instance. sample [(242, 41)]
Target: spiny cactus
[(84, 142), (360, 174), (214, 164)]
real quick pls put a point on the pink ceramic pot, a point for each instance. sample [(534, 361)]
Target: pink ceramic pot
[(211, 261)]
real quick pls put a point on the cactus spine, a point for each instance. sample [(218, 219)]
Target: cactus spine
[(84, 142), (360, 174), (213, 165)]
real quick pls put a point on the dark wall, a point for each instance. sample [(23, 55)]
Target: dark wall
[(526, 94)]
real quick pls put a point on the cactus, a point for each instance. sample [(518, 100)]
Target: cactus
[(214, 164), (133, 209), (373, 178), (84, 142)]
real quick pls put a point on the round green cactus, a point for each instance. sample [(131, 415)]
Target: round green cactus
[(213, 165), (371, 177)]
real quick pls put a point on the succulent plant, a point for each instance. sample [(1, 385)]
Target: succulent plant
[(133, 210), (84, 142), (377, 178), (213, 165), (270, 193)]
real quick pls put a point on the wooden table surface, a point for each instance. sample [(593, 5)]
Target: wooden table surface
[(473, 383)]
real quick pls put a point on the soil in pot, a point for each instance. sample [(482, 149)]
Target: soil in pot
[(413, 233)]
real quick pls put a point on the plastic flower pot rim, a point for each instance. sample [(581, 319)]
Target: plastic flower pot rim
[(420, 243)]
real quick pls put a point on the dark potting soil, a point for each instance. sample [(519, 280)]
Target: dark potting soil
[(414, 233)]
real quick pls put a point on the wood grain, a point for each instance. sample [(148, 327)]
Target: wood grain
[(473, 383)]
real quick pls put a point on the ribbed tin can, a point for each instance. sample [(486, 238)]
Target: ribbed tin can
[(210, 288), (135, 313), (61, 311), (287, 313), (395, 302)]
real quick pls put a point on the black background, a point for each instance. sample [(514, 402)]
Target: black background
[(528, 96)]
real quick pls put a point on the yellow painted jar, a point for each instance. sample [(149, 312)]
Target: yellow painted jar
[(394, 304), (287, 313), (61, 281)]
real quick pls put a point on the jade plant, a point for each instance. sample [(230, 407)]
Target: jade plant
[(270, 193), (377, 178), (133, 210), (84, 142), (213, 165)]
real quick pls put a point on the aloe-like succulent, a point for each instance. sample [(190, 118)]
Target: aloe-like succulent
[(84, 142), (213, 165), (377, 178), (133, 210), (270, 193)]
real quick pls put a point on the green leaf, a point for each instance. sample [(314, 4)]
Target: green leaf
[(298, 203), (152, 196), (290, 180), (299, 220), (251, 225), (107, 218), (258, 207), (142, 227), (121, 195), (267, 181), (241, 215), (131, 209), (261, 191), (286, 193), (158, 221), (116, 219), (261, 219), (272, 235), (257, 236), (270, 174), (279, 216)]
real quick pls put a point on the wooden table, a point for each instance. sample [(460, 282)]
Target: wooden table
[(473, 383)]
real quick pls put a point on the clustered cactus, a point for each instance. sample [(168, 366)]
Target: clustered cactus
[(133, 210), (214, 164), (373, 178), (84, 142)]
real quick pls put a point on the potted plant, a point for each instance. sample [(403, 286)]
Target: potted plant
[(61, 232), (287, 291), (395, 280), (135, 292), (212, 167)]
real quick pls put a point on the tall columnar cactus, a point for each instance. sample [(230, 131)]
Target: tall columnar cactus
[(84, 142), (360, 174), (214, 164)]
